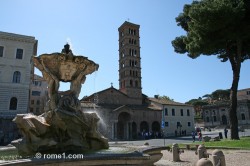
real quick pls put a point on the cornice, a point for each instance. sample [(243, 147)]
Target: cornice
[(17, 37)]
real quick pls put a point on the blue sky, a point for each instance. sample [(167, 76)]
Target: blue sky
[(91, 27)]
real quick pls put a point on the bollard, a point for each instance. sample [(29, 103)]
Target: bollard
[(218, 158), (202, 152), (176, 152), (204, 162)]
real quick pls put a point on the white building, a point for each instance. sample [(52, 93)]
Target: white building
[(15, 75), (177, 118)]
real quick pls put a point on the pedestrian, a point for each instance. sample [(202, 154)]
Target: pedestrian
[(193, 136), (225, 132), (199, 135)]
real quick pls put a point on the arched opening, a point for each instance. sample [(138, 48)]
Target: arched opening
[(13, 103), (156, 128), (224, 119), (144, 126), (123, 128)]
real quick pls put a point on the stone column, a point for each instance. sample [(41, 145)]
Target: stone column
[(126, 130), (114, 130), (129, 130)]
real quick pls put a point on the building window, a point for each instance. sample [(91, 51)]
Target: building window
[(13, 103), (243, 117), (173, 112), (215, 119), (178, 124), (38, 102), (36, 93), (181, 112), (1, 51), (248, 92), (31, 109), (32, 101), (189, 124), (136, 83), (16, 77), (19, 53), (131, 83), (166, 112), (188, 112), (166, 124), (207, 119)]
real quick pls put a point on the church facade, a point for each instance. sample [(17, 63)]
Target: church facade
[(126, 113)]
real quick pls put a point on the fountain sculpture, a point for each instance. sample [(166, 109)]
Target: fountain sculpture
[(63, 127)]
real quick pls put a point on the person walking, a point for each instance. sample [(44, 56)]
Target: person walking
[(199, 136), (193, 136), (225, 132)]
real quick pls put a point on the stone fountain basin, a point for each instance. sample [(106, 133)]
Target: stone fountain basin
[(115, 155)]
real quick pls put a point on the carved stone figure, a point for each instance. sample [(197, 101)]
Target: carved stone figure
[(63, 127)]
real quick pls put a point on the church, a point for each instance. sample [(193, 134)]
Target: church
[(126, 113)]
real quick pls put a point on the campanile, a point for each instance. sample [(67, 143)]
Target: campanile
[(130, 61)]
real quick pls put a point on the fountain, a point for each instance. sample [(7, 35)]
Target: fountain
[(65, 129)]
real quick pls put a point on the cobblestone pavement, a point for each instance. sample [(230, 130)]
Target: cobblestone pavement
[(188, 158)]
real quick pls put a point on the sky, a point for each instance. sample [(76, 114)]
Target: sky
[(91, 28)]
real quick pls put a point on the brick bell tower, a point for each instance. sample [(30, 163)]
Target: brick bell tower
[(130, 62)]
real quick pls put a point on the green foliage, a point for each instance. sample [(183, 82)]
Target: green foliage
[(213, 28), (217, 27), (243, 143), (221, 94), (165, 97), (9, 154), (197, 102)]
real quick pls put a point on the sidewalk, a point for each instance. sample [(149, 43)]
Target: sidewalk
[(188, 158)]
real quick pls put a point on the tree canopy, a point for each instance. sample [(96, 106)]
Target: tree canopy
[(165, 97), (221, 28), (213, 28)]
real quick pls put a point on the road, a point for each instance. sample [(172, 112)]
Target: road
[(178, 140)]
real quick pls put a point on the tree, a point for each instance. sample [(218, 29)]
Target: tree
[(221, 94), (165, 97), (217, 27), (197, 104)]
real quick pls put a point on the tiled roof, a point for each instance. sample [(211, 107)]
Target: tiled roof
[(154, 107), (167, 102), (86, 104)]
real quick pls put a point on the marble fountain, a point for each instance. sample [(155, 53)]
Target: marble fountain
[(64, 134)]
